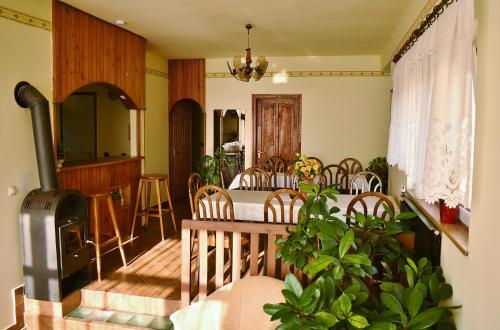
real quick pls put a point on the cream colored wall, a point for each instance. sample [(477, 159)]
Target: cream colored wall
[(156, 117), (25, 55), (341, 116)]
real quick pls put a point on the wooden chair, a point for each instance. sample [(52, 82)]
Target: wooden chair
[(210, 198), (274, 165), (320, 179), (337, 177), (365, 181), (225, 273), (319, 161), (194, 183), (352, 165), (377, 207), (255, 178), (289, 194)]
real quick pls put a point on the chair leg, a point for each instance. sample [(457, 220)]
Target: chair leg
[(160, 211), (97, 239), (172, 215), (137, 201), (117, 230), (148, 202)]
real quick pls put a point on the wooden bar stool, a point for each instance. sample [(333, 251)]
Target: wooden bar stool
[(95, 198), (157, 212)]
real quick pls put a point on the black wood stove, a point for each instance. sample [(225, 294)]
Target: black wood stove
[(54, 222)]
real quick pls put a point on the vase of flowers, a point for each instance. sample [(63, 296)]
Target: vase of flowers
[(304, 169)]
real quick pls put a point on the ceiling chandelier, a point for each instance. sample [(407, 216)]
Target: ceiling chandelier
[(242, 69)]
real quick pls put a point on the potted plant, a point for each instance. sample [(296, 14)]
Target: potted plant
[(380, 167), (359, 277), (211, 168)]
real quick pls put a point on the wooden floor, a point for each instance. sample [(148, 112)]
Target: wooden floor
[(154, 274)]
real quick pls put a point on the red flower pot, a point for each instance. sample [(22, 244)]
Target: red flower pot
[(449, 215)]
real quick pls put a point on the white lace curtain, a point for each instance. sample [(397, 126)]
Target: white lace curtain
[(431, 127)]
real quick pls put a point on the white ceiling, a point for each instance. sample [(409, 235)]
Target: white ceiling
[(215, 28)]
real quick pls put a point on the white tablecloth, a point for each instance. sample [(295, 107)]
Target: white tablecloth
[(249, 205)]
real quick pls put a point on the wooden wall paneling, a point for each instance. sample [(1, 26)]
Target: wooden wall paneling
[(186, 80), (88, 50), (106, 176)]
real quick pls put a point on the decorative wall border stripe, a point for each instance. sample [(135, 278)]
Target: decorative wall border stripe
[(157, 73), (23, 18), (307, 74)]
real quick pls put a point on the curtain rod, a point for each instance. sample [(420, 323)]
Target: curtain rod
[(426, 24)]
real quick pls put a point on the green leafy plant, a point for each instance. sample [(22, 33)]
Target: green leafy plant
[(210, 166), (359, 276)]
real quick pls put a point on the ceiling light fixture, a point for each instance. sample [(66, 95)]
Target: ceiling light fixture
[(242, 69)]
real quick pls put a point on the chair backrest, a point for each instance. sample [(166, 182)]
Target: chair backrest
[(274, 165), (223, 167), (336, 176), (320, 163), (210, 280), (371, 204), (255, 178), (352, 165), (281, 201), (365, 181), (213, 203), (194, 183), (320, 179)]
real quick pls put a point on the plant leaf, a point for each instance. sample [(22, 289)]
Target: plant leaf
[(293, 285), (416, 300), (358, 321), (382, 326), (426, 319), (345, 304), (317, 265), (391, 302), (326, 319), (346, 242), (356, 259)]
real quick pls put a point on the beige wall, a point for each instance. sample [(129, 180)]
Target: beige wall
[(156, 118), (25, 55), (341, 116)]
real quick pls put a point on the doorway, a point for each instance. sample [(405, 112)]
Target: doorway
[(276, 126), (187, 144)]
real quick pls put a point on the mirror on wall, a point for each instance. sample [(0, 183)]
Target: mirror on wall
[(92, 124), (229, 130)]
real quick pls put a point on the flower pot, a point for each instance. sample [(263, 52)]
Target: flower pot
[(448, 215)]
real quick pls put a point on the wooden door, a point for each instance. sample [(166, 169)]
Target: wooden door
[(180, 149), (276, 126)]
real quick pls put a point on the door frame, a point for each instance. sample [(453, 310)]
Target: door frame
[(257, 97)]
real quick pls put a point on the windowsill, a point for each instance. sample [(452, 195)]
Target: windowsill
[(458, 233)]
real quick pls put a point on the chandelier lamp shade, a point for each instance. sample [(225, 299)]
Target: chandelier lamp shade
[(242, 69)]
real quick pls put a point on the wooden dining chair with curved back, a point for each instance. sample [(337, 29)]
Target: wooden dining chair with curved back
[(212, 203), (377, 209), (365, 181), (352, 165), (337, 177), (255, 178), (275, 205), (274, 165), (194, 183)]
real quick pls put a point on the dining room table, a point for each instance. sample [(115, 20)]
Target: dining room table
[(248, 205)]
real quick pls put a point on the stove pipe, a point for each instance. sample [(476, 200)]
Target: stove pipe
[(28, 96)]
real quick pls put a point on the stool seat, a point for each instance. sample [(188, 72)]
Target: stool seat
[(146, 181), (99, 194), (154, 176)]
